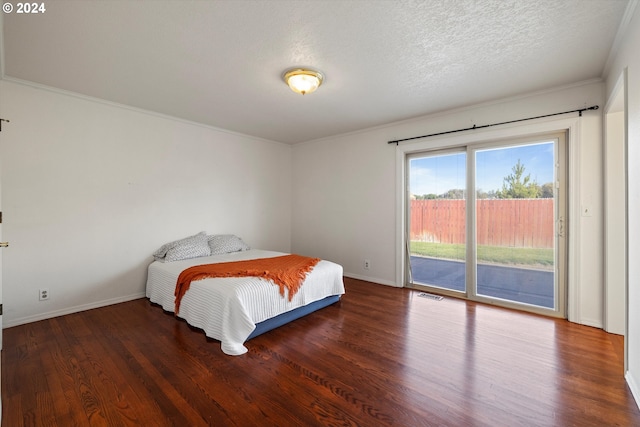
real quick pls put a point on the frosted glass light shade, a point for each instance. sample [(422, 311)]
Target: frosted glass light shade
[(303, 81)]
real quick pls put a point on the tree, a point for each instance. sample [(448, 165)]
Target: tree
[(454, 193), (481, 194), (547, 190), (426, 196), (515, 186)]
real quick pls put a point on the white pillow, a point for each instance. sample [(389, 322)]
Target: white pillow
[(226, 243), (189, 247)]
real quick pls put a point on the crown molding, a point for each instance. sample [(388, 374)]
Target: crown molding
[(620, 34)]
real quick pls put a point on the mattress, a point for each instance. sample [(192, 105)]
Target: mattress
[(228, 309)]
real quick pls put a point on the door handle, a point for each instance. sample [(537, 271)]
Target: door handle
[(4, 244), (561, 227)]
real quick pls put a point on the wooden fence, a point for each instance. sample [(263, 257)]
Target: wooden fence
[(520, 223)]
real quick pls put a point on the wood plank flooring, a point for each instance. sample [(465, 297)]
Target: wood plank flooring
[(380, 357)]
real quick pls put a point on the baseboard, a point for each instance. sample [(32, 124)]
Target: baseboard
[(70, 310), (371, 279), (633, 385), (591, 322)]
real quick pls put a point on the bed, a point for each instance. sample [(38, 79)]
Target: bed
[(235, 309)]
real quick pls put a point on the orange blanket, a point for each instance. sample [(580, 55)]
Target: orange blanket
[(287, 271)]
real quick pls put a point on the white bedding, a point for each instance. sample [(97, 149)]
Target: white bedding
[(227, 309)]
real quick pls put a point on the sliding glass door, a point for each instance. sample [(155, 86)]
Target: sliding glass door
[(516, 223), (503, 242), (437, 230)]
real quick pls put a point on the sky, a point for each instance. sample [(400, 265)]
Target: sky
[(436, 174)]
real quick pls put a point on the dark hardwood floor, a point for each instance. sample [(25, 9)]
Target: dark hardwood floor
[(382, 356)]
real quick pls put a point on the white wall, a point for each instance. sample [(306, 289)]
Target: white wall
[(345, 194), (91, 189), (627, 57), (343, 203)]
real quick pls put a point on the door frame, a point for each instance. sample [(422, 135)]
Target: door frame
[(470, 292), (616, 217), (476, 138)]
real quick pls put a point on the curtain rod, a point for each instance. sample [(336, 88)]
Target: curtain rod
[(579, 111)]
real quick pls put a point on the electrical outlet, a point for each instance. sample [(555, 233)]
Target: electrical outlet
[(367, 264), (44, 294)]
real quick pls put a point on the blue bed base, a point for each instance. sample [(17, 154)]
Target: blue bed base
[(284, 318)]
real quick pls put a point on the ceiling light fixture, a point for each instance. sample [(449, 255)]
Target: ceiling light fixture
[(302, 80)]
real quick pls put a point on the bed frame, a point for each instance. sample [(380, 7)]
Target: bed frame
[(284, 318)]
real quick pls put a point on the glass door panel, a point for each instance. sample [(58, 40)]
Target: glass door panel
[(437, 218), (515, 223)]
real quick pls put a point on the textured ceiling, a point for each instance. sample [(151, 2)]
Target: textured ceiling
[(220, 62)]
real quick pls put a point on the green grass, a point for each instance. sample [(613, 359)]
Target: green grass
[(486, 254)]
